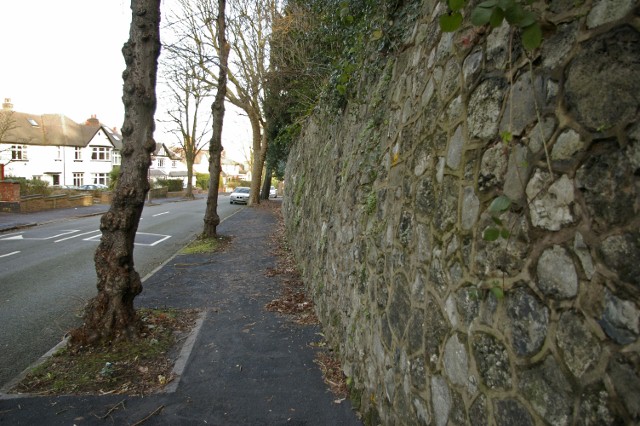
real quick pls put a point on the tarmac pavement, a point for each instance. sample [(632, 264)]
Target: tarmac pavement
[(246, 366)]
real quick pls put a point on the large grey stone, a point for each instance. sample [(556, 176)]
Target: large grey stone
[(567, 145), (484, 108), (605, 11), (529, 321), (399, 308), (548, 391), (555, 49), (610, 194), (518, 169), (594, 407), (580, 348), (454, 154), (456, 364), (557, 276), (493, 167), (620, 319), (508, 412), (581, 249), (492, 361), (435, 333), (472, 66), (440, 400), (470, 208), (521, 107), (621, 253), (624, 375), (478, 411), (550, 205), (598, 94), (541, 134), (468, 304)]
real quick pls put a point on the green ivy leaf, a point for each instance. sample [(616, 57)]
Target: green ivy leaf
[(514, 14), (497, 292), (481, 15), (450, 23), (496, 18), (504, 233), (529, 18), (491, 234), (456, 5), (496, 220), (500, 204), (532, 36), (489, 4), (342, 89)]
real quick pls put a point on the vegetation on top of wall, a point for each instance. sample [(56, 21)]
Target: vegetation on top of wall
[(31, 186), (494, 12)]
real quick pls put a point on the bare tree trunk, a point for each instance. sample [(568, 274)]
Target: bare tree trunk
[(266, 184), (110, 315), (211, 218), (258, 158), (189, 193)]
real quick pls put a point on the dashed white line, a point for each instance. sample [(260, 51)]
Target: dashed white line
[(77, 235), (9, 254), (160, 214)]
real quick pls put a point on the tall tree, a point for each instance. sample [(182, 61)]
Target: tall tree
[(211, 218), (110, 314), (249, 25), (187, 94)]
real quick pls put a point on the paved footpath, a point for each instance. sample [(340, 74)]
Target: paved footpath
[(247, 366)]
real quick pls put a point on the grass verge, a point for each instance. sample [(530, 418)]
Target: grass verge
[(136, 367), (207, 245)]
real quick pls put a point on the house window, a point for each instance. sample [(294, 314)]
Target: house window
[(174, 164), (117, 158), (77, 154), (101, 178), (55, 180), (78, 179), (160, 162), (58, 153), (100, 153), (19, 152)]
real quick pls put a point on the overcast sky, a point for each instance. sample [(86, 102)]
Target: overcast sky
[(64, 57)]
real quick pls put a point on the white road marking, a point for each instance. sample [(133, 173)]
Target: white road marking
[(22, 237), (9, 254), (164, 237), (160, 214), (76, 236), (7, 236)]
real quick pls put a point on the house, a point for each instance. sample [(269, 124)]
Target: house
[(166, 164), (56, 149)]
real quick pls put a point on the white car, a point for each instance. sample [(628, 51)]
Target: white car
[(273, 193), (240, 195)]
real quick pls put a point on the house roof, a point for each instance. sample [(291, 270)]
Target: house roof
[(54, 130), (162, 151)]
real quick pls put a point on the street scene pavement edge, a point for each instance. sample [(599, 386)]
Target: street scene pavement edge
[(246, 366)]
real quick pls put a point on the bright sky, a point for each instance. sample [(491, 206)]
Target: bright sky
[(64, 57)]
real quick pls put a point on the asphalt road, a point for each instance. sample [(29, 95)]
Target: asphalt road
[(47, 274)]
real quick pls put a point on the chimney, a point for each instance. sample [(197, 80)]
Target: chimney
[(7, 105), (93, 121)]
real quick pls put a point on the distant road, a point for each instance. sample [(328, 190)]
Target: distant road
[(47, 274)]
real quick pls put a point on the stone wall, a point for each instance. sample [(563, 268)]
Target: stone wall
[(388, 209)]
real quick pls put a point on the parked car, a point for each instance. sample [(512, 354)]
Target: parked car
[(273, 193), (240, 195), (93, 187)]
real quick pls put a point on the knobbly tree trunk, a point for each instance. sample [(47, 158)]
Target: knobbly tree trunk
[(110, 315), (211, 218), (266, 184), (259, 143)]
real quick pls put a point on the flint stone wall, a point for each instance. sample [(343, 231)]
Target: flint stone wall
[(387, 204)]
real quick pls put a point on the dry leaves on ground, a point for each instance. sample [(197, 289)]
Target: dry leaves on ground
[(136, 367)]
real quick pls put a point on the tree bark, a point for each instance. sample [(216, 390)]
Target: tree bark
[(110, 315), (211, 218), (266, 184), (259, 154)]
